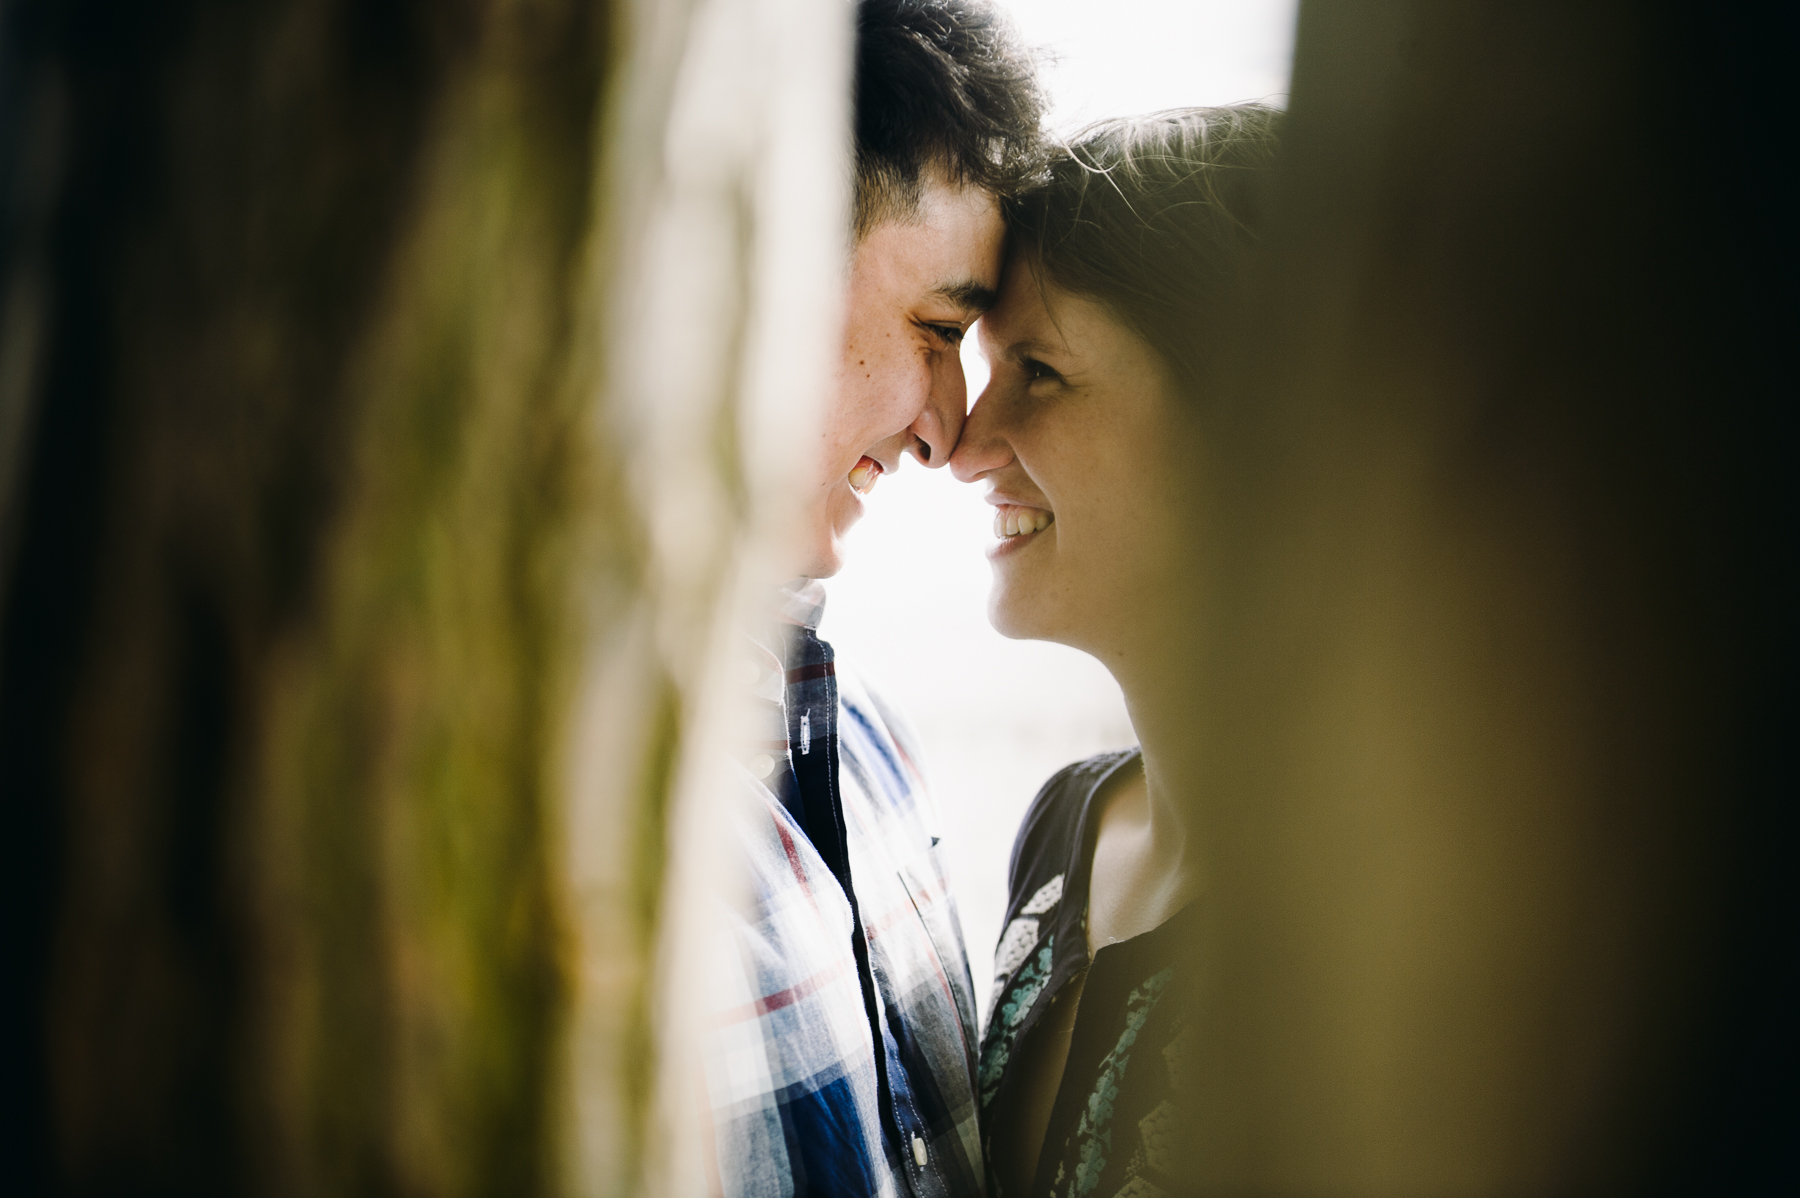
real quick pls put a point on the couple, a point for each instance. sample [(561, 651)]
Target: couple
[(843, 1055)]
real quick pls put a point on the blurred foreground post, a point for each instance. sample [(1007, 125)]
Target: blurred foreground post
[(1497, 770), (360, 572)]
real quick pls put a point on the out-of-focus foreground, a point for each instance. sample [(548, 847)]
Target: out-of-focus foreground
[(382, 446), (1490, 734), (395, 404)]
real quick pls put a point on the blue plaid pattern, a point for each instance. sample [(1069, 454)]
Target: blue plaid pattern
[(850, 938)]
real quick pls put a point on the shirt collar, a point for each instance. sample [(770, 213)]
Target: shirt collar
[(802, 602), (798, 604)]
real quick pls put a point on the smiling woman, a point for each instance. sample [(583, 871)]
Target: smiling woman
[(1124, 282), (1091, 429), (1074, 439)]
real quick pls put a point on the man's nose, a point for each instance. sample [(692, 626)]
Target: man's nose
[(940, 424), (980, 448)]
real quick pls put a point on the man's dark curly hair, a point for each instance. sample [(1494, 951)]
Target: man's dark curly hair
[(944, 85)]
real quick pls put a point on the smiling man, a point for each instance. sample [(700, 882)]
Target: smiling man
[(840, 1056), (918, 279)]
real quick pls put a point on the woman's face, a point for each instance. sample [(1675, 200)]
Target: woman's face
[(1076, 437)]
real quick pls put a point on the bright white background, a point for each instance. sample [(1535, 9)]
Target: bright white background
[(998, 717)]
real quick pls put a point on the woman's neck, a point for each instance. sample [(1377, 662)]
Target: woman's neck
[(1146, 859)]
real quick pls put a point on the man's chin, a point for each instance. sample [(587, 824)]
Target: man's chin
[(825, 557), (825, 553)]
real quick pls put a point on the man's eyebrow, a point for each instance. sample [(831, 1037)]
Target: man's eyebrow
[(968, 295)]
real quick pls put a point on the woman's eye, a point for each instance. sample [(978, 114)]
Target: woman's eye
[(1035, 369)]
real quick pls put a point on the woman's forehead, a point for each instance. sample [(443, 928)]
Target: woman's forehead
[(1037, 313)]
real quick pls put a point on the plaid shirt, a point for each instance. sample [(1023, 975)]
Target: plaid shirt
[(816, 971)]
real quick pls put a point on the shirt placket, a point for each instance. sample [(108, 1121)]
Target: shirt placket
[(814, 746)]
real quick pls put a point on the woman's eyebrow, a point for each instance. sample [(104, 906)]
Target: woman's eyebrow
[(1032, 345)]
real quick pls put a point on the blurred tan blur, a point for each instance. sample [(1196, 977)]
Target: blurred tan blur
[(1478, 733)]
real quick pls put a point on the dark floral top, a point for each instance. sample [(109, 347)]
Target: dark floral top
[(1115, 1125)]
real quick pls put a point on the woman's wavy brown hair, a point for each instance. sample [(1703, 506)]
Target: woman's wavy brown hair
[(1157, 218)]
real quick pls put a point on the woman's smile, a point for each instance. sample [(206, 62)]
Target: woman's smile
[(1014, 524)]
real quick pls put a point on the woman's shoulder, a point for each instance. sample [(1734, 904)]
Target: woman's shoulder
[(1051, 823)]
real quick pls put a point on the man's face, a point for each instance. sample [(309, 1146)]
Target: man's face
[(915, 288)]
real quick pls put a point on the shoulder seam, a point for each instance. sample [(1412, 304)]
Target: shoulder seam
[(1047, 795)]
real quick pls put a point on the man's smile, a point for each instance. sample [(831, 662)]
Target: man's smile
[(864, 473)]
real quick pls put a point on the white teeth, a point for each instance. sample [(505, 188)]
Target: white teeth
[(864, 474), (1011, 520)]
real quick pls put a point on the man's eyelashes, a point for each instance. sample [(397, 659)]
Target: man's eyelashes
[(949, 334)]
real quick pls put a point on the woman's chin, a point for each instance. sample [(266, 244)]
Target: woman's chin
[(1012, 597), (1010, 613)]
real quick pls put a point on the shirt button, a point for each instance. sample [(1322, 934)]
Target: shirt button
[(762, 765), (919, 1157)]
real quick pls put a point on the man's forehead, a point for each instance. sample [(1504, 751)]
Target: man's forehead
[(961, 273), (958, 211), (948, 256)]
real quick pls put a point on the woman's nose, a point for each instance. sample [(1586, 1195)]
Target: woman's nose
[(981, 448)]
